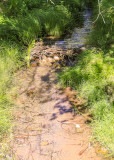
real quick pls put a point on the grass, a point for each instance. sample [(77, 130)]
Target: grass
[(93, 78), (8, 64), (35, 24), (12, 57), (104, 131)]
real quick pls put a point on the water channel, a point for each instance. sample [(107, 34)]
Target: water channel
[(79, 35)]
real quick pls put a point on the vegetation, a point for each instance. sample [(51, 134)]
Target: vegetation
[(9, 62), (22, 22), (102, 36), (93, 75), (93, 78)]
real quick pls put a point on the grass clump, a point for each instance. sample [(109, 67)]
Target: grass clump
[(93, 77)]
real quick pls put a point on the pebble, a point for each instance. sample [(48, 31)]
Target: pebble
[(56, 58)]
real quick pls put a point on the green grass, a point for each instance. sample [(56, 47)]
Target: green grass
[(12, 57), (37, 22), (104, 131), (59, 20), (9, 62), (93, 78)]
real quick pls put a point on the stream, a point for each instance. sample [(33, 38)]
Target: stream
[(45, 125), (78, 36)]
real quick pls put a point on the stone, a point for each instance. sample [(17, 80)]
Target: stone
[(83, 48), (57, 58), (34, 64), (50, 59), (78, 129)]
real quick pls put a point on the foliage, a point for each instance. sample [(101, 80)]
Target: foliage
[(24, 21), (93, 77), (102, 35), (62, 18)]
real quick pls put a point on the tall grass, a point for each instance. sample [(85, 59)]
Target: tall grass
[(35, 24), (9, 62), (93, 77), (57, 20)]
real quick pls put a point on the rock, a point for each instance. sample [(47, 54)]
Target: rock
[(44, 57), (82, 48), (44, 60), (56, 58), (35, 56), (32, 58), (56, 65), (34, 64), (49, 59), (78, 129), (76, 50)]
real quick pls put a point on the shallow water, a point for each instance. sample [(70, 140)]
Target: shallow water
[(79, 35)]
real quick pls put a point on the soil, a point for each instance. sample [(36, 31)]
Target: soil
[(45, 125)]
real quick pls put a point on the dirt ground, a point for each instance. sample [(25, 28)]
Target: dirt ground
[(45, 125)]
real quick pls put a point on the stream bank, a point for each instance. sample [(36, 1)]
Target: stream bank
[(46, 126)]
